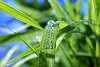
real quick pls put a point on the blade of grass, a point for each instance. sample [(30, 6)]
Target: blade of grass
[(28, 44), (2, 38), (81, 54), (90, 11), (19, 63), (8, 55), (77, 9), (61, 14), (55, 7), (35, 14), (70, 27), (97, 31), (23, 54), (17, 30), (13, 38), (66, 54), (69, 8), (63, 58), (96, 7), (71, 44), (89, 42), (18, 15), (28, 51), (59, 40), (97, 49)]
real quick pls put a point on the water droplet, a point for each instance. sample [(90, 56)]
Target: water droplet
[(38, 38), (51, 47), (52, 65), (51, 27), (50, 23)]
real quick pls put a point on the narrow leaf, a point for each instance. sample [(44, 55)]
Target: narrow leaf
[(19, 63), (28, 44), (71, 26), (60, 12), (18, 15), (25, 53), (8, 56)]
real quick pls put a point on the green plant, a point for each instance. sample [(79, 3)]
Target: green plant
[(72, 41)]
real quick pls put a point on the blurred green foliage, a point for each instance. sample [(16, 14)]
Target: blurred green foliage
[(78, 40)]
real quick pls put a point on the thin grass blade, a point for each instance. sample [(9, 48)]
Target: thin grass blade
[(18, 15)]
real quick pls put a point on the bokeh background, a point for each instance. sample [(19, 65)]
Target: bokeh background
[(8, 23)]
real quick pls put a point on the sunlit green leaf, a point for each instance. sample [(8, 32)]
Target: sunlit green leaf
[(18, 15), (60, 13)]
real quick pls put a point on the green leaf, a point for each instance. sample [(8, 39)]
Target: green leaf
[(59, 40), (60, 12), (18, 15), (89, 42), (8, 55), (81, 54), (63, 58), (33, 13), (70, 10), (90, 10), (48, 44), (10, 34), (28, 44), (25, 59), (72, 26), (77, 9), (31, 37), (97, 49), (25, 53)]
